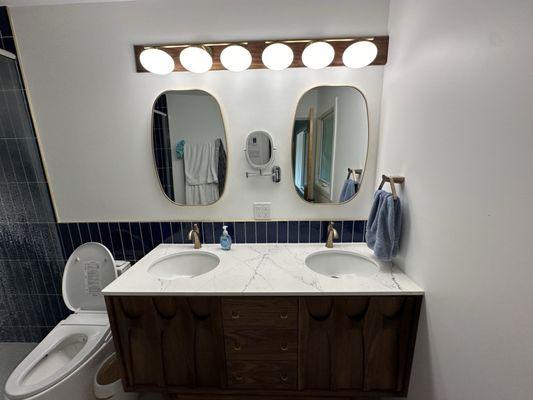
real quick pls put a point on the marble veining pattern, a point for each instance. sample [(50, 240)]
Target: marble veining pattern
[(262, 269)]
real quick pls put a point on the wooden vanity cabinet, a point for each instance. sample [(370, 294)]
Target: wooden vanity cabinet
[(275, 347)]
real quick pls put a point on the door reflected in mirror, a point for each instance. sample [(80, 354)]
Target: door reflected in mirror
[(189, 146), (330, 144)]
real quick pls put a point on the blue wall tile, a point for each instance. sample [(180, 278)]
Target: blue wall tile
[(346, 231), (250, 232), (75, 235), (272, 232), (240, 233), (136, 240), (166, 231), (303, 228), (283, 228), (103, 227), (359, 231), (127, 240), (314, 232), (293, 231), (177, 232), (261, 232), (208, 233), (157, 236), (116, 240), (84, 232), (94, 232), (146, 233)]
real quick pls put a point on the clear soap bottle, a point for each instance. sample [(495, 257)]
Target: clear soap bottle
[(225, 239)]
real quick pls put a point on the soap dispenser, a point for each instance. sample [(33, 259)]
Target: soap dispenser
[(225, 239)]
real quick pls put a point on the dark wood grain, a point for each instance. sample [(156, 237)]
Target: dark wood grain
[(169, 341), (334, 346), (256, 49), (249, 397), (261, 344), (263, 374), (267, 312), (357, 343)]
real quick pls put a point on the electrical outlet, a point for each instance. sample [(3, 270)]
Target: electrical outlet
[(262, 210)]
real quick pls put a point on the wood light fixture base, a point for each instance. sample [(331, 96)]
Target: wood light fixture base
[(256, 49)]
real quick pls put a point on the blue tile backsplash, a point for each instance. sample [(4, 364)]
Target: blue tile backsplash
[(34, 247), (132, 240)]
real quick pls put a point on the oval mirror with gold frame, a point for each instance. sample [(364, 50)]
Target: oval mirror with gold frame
[(189, 146), (329, 144)]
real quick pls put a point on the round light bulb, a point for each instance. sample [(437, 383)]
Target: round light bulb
[(318, 55), (196, 59), (236, 58), (359, 54), (156, 61), (277, 56)]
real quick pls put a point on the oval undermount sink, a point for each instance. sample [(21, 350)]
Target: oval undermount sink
[(187, 264), (339, 263)]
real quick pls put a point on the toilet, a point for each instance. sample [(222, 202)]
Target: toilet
[(63, 365)]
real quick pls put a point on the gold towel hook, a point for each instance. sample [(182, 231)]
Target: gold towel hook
[(392, 180)]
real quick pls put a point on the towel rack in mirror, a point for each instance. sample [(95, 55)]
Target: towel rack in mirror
[(392, 180), (353, 172)]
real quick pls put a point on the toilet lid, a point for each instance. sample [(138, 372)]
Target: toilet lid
[(89, 269)]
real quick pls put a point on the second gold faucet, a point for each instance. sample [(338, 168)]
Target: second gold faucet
[(332, 234)]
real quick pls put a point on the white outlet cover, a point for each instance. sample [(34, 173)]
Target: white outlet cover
[(262, 210)]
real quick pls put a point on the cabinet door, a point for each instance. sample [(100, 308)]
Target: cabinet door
[(357, 343), (168, 342)]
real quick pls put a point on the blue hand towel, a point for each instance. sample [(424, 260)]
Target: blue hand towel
[(384, 225), (349, 188), (180, 149)]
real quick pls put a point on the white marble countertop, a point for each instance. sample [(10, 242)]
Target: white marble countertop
[(261, 270)]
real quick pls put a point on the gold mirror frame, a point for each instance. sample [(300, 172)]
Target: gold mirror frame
[(367, 148)]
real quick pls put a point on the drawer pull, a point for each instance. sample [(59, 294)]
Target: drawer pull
[(237, 346), (235, 315), (284, 377), (284, 346), (239, 378), (284, 315)]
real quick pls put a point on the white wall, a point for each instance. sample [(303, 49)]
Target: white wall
[(92, 110), (457, 122), (194, 117)]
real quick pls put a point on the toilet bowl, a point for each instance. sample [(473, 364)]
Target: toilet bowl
[(63, 365)]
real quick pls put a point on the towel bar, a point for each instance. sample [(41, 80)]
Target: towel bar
[(392, 180), (354, 172)]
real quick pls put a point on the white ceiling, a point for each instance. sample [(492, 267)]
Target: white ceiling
[(22, 3)]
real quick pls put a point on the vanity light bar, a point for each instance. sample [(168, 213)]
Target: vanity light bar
[(256, 50)]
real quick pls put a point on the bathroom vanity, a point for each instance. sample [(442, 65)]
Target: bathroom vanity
[(274, 321)]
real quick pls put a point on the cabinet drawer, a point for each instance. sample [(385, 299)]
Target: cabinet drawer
[(263, 374), (267, 312), (261, 344)]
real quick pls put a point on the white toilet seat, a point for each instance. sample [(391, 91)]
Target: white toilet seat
[(61, 352)]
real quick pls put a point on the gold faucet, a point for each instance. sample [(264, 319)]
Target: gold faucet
[(332, 234), (194, 235)]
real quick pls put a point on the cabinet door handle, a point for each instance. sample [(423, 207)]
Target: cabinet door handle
[(235, 315), (284, 346), (284, 315), (283, 377), (237, 346)]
